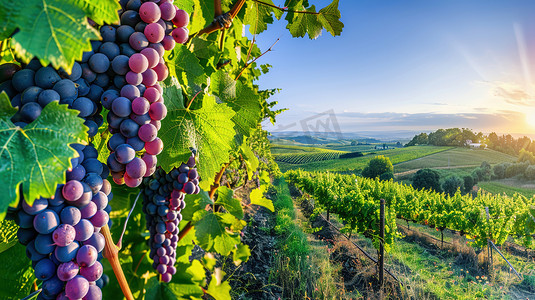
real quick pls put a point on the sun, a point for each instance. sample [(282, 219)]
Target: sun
[(530, 118)]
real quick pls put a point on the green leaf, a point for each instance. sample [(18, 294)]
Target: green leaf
[(219, 290), (251, 161), (16, 278), (195, 203), (241, 254), (329, 17), (203, 15), (9, 10), (164, 291), (8, 234), (208, 129), (186, 68), (38, 155), (313, 22), (55, 31), (241, 98), (212, 234), (257, 16), (257, 198), (225, 198), (100, 11)]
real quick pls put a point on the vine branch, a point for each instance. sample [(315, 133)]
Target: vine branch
[(249, 63), (222, 20), (112, 254), (285, 9)]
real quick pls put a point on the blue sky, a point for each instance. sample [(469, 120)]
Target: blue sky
[(410, 65)]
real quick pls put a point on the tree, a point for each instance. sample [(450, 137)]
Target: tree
[(378, 166), (452, 184), (427, 179), (468, 183), (420, 139), (530, 172)]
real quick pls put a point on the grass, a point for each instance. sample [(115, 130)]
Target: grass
[(397, 155), (301, 270), (455, 157), (289, 149), (496, 187)]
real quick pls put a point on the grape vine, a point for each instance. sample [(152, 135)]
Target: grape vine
[(82, 115)]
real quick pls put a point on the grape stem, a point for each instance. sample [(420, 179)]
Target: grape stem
[(112, 254), (120, 242), (191, 101), (285, 9), (250, 63), (216, 25)]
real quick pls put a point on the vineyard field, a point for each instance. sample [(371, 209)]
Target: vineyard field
[(397, 155), (302, 158), (506, 187), (455, 158)]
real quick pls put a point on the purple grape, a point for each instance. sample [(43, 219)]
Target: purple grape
[(89, 210), (154, 32), (100, 218), (45, 269), (149, 12), (134, 78), (153, 57), (46, 221), (121, 107), (147, 133), (64, 235), (92, 273), (189, 188), (99, 63), (67, 253), (161, 71), (84, 230), (129, 91), (87, 255), (180, 35), (97, 241), (138, 41), (141, 119), (150, 77), (94, 293), (107, 98), (77, 287), (136, 168), (119, 64), (155, 147), (150, 160), (39, 205), (181, 18), (159, 48), (132, 182), (157, 111), (152, 94), (168, 42), (67, 271), (124, 153), (72, 190), (168, 11), (140, 106)]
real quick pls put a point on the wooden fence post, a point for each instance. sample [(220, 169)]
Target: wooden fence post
[(381, 244)]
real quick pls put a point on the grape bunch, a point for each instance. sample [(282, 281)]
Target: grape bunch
[(163, 198), (133, 54), (62, 235)]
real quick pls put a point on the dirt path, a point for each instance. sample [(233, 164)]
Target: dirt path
[(409, 172)]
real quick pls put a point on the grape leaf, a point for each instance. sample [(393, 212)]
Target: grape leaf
[(258, 15), (241, 254), (208, 129), (16, 278), (186, 68), (100, 11), (203, 14), (38, 155), (195, 203), (241, 98), (8, 234), (163, 291), (212, 234), (225, 198), (251, 161), (9, 10), (257, 198), (312, 22), (219, 290), (57, 32)]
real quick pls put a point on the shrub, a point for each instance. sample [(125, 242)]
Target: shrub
[(451, 184), (427, 179), (377, 166), (530, 172)]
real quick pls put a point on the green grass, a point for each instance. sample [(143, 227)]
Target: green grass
[(301, 270), (495, 187), (455, 157), (358, 163)]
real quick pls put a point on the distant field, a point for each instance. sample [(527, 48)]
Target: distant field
[(509, 187), (277, 149), (350, 164), (301, 158), (455, 158)]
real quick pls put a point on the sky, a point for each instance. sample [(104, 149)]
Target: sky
[(413, 65)]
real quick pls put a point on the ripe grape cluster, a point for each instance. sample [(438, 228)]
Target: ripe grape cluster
[(132, 54), (62, 234), (163, 199)]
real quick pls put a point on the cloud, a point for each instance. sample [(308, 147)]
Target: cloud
[(511, 92), (503, 121)]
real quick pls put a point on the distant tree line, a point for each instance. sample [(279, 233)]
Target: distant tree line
[(460, 137)]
